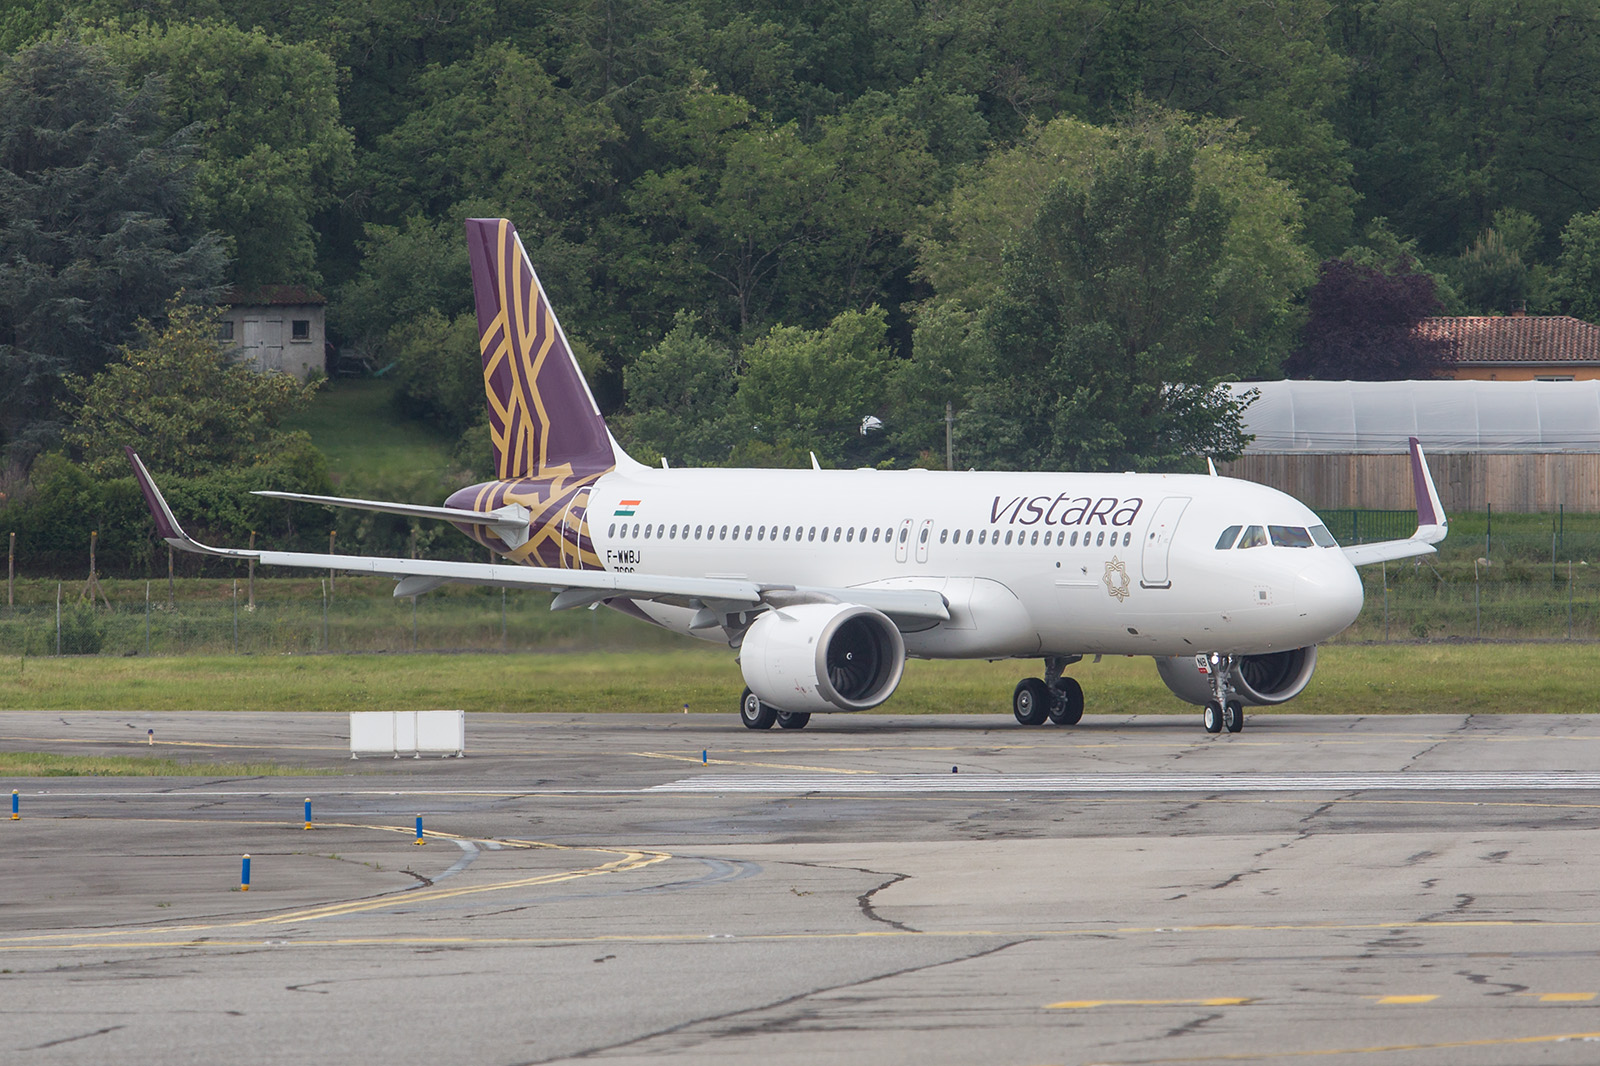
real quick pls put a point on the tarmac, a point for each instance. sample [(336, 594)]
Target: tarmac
[(631, 888)]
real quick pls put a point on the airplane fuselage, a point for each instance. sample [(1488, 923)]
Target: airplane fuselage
[(1030, 563)]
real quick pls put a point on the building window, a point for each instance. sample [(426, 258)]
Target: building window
[(300, 329), (225, 331)]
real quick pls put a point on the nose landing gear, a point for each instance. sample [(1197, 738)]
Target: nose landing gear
[(1224, 710)]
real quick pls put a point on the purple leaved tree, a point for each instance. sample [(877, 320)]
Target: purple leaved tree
[(1363, 326)]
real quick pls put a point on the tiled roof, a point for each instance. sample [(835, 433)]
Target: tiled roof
[(273, 296), (1519, 340)]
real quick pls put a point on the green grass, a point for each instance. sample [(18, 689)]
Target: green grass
[(1350, 679), (15, 764), (354, 423)]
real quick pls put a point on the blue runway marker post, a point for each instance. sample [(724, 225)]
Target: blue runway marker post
[(308, 812), (244, 875), (702, 756), (419, 841), (16, 811)]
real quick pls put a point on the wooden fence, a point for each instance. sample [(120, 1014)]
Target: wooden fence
[(1466, 482)]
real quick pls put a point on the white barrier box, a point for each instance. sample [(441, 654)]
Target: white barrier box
[(444, 732), (371, 733), (392, 732)]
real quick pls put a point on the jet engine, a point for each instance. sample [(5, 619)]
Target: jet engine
[(822, 657), (1275, 677)]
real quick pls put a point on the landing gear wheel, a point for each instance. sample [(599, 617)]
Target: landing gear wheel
[(1031, 701), (1066, 702), (793, 719), (1213, 718), (755, 714), (1233, 716)]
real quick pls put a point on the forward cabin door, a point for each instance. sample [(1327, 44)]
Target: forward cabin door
[(1158, 542)]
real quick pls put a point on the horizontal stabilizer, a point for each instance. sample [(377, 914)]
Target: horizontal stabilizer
[(509, 523)]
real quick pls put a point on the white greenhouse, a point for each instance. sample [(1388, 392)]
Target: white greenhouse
[(1512, 445)]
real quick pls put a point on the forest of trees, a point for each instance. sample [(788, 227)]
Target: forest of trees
[(763, 221)]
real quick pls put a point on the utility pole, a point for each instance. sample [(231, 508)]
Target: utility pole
[(949, 436)]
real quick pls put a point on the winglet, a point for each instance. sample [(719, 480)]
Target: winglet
[(166, 523), (1432, 523)]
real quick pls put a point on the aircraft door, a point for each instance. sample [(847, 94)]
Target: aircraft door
[(902, 540), (1158, 542), (924, 535)]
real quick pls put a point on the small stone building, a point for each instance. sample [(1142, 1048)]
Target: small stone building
[(277, 327)]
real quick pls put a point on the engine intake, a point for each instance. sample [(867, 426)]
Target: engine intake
[(822, 657), (1262, 680)]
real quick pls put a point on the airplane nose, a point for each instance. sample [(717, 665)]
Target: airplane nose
[(1330, 591)]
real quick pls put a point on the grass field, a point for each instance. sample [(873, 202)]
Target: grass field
[(46, 764), (354, 423), (1350, 679)]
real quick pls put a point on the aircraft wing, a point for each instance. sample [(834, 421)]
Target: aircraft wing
[(1432, 524), (573, 588)]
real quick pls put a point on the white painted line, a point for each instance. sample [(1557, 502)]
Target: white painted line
[(1510, 781)]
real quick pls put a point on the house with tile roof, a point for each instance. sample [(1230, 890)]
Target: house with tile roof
[(277, 327), (1520, 347)]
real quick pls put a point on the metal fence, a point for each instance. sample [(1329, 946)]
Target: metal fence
[(1533, 578), (217, 618)]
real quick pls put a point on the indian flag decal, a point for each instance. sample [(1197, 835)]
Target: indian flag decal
[(625, 508)]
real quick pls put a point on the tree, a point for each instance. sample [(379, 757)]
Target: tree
[(1263, 262), (181, 402), (1363, 326), (1104, 342), (94, 233), (1459, 108), (438, 370), (680, 398), (1578, 270), (811, 389), (274, 152)]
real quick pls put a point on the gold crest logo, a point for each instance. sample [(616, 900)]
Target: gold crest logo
[(1116, 579)]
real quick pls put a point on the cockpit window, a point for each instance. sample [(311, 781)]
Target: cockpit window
[(1323, 538), (1254, 537), (1290, 536), (1229, 535)]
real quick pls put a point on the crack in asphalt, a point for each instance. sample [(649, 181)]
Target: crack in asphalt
[(768, 1026), (70, 1039)]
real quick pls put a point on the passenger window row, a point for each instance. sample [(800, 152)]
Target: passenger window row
[(885, 535), (1277, 536)]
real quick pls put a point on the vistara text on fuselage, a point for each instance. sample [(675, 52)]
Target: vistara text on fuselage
[(826, 581)]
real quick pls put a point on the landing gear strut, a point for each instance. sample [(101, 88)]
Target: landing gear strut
[(1224, 710), (1056, 698)]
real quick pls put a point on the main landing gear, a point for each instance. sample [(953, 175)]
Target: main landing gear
[(1223, 710), (1057, 698), (757, 715)]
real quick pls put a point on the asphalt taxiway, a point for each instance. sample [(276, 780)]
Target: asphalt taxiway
[(631, 888)]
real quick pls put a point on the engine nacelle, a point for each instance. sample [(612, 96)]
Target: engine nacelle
[(1275, 677), (822, 657)]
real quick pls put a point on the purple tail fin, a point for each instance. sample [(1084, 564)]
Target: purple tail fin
[(543, 420)]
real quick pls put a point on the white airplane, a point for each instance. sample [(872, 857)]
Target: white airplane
[(826, 581)]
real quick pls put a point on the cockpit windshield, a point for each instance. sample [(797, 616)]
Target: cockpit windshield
[(1277, 536)]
